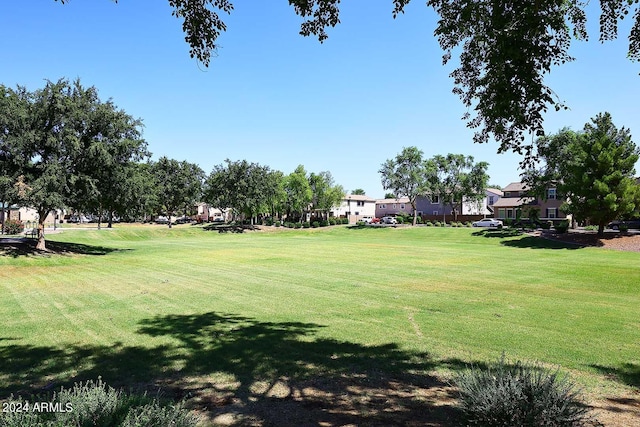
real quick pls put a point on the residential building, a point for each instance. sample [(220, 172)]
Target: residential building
[(433, 206), (517, 202), (392, 207), (354, 207)]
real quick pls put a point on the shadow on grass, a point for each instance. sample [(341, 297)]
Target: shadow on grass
[(533, 242), (230, 228), (257, 373), (22, 247), (627, 373), (503, 233)]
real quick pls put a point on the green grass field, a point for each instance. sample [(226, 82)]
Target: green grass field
[(228, 314)]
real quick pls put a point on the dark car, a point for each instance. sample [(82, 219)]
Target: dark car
[(632, 223)]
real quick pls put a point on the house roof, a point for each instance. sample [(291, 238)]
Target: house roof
[(358, 197), (398, 200), (495, 191), (515, 186), (510, 202)]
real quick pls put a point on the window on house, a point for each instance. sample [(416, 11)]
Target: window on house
[(552, 213), (507, 194), (435, 212), (394, 206), (509, 213), (383, 206), (401, 206), (357, 213), (551, 193), (501, 213), (360, 203), (491, 198), (435, 199)]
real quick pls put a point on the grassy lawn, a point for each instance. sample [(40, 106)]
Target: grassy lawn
[(242, 317)]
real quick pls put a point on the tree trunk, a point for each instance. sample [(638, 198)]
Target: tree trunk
[(601, 229), (415, 214), (110, 225), (41, 246), (169, 213)]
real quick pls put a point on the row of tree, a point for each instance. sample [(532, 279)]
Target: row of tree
[(62, 147), (453, 178)]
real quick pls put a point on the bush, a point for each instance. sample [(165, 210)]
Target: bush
[(306, 224), (332, 221), (525, 395), (324, 223), (315, 224), (268, 222), (13, 226), (297, 225), (429, 224), (345, 220), (562, 226), (400, 220), (278, 223), (96, 404), (468, 224), (623, 228), (437, 224), (546, 225)]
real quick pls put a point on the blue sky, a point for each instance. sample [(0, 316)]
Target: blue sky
[(279, 99)]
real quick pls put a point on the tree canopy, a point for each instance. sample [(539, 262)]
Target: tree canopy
[(56, 141), (178, 184), (406, 175), (506, 49), (593, 169)]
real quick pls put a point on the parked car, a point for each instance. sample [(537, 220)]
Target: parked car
[(367, 219), (388, 220), (162, 220), (183, 220), (487, 222), (632, 223)]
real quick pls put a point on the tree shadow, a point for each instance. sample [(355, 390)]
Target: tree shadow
[(22, 247), (627, 373), (501, 233), (252, 373), (533, 242), (230, 228)]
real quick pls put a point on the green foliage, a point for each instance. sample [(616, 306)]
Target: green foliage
[(13, 226), (562, 226), (178, 184), (594, 169), (324, 223), (623, 228), (345, 220), (332, 221), (468, 224), (315, 224), (306, 224), (437, 224), (526, 395), (406, 174), (297, 225), (278, 223), (358, 192), (400, 219), (429, 224), (268, 222)]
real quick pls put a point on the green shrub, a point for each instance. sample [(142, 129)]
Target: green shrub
[(562, 226), (623, 228), (332, 221), (315, 224), (591, 227), (429, 224), (345, 220), (13, 226), (468, 224), (324, 223), (278, 223), (297, 225), (306, 224), (546, 225), (418, 220), (437, 224), (401, 220), (268, 222), (526, 395), (96, 404)]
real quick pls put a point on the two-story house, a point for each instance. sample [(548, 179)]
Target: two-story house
[(517, 202), (392, 207), (354, 207)]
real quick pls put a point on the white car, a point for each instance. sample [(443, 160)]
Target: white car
[(388, 220), (487, 222), (367, 219)]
